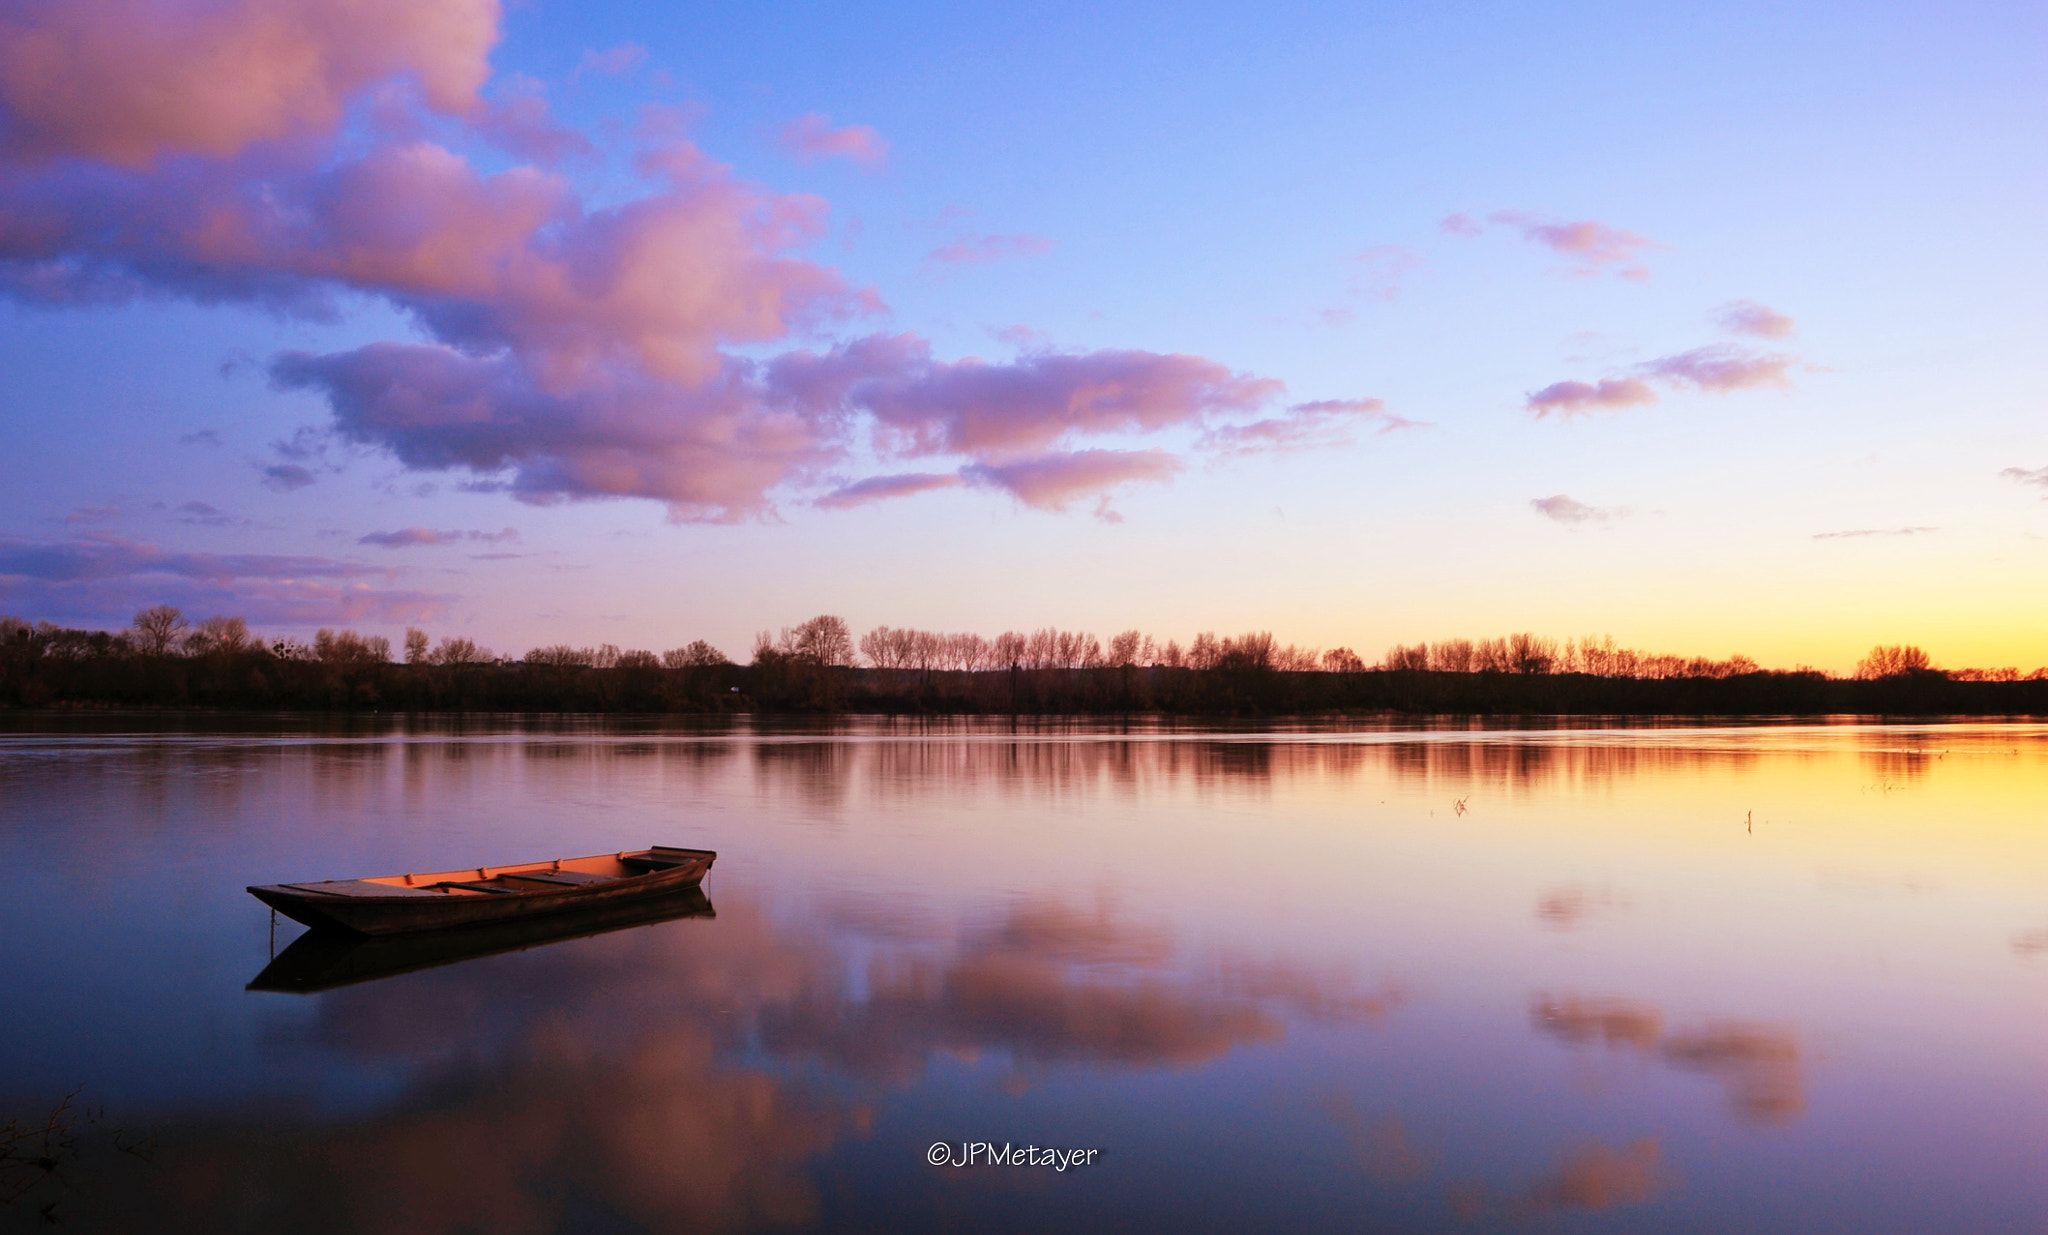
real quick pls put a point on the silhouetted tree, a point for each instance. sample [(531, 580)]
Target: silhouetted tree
[(1893, 660), (157, 629), (696, 654), (227, 635)]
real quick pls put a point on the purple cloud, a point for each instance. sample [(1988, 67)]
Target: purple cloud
[(1747, 317), (1053, 482), (285, 477), (408, 537), (881, 488), (1593, 246), (976, 249), (1562, 508), (573, 349), (811, 137), (1578, 398), (1717, 369), (1860, 533), (106, 578), (1322, 424)]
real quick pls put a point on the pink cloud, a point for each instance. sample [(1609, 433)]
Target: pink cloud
[(285, 477), (811, 136), (1054, 481), (1594, 246), (975, 249), (1575, 398), (522, 124), (130, 82), (1563, 508), (1750, 318), (881, 488), (572, 350), (1381, 272), (1718, 369), (613, 62), (710, 452), (411, 537), (106, 556), (1461, 224), (1323, 424), (103, 578), (924, 406), (511, 259)]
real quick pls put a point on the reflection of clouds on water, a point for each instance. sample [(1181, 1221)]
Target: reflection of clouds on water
[(667, 1078), (661, 1137), (1600, 1177), (2031, 943), (1591, 1178), (1610, 1022), (1049, 983), (1758, 1064), (1567, 908), (1381, 1147)]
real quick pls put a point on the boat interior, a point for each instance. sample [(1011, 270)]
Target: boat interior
[(556, 875)]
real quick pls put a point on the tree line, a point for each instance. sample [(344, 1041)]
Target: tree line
[(164, 659)]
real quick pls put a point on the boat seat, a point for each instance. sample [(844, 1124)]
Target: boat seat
[(477, 885), (656, 863), (358, 887), (566, 879)]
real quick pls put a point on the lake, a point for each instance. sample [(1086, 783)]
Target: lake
[(1761, 978)]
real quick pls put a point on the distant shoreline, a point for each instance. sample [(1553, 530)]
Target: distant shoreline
[(259, 682)]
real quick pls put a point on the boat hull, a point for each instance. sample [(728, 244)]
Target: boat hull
[(323, 959), (367, 908)]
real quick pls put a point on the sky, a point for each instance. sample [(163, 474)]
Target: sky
[(1715, 330)]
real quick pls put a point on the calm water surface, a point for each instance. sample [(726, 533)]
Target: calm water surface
[(1757, 979)]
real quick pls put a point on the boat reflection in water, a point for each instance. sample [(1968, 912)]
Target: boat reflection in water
[(322, 960)]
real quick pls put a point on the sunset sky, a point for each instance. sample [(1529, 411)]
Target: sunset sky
[(1719, 331)]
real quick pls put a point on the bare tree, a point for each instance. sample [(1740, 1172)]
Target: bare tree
[(1451, 656), (218, 634), (346, 647), (1342, 660), (696, 654), (559, 656), (1402, 656), (158, 628), (454, 651), (1529, 653), (415, 646), (1123, 649), (1893, 660), (824, 640)]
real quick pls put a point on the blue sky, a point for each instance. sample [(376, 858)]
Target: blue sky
[(1265, 190)]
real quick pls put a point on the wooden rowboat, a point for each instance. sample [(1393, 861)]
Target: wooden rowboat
[(477, 895)]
